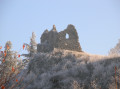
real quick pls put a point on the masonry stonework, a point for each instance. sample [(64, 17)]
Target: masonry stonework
[(53, 39)]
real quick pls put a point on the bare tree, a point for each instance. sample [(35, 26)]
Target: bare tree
[(116, 49), (10, 66)]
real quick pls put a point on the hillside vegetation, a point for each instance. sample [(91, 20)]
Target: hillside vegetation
[(63, 69)]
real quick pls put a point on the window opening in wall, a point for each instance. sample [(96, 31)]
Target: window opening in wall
[(67, 36)]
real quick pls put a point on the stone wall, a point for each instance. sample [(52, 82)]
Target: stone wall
[(53, 39)]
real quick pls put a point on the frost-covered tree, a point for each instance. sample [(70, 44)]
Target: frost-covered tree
[(33, 44), (8, 60), (31, 48), (116, 49), (10, 65)]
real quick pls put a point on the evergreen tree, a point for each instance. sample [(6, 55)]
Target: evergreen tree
[(31, 48), (33, 45)]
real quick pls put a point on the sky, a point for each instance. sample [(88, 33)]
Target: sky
[(96, 21)]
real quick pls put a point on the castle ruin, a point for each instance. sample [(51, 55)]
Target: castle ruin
[(53, 39)]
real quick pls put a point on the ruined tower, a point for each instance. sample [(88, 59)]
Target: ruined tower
[(53, 39)]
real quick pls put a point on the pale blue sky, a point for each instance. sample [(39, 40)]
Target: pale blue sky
[(97, 21)]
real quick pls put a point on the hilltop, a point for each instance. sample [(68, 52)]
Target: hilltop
[(64, 69), (60, 63)]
